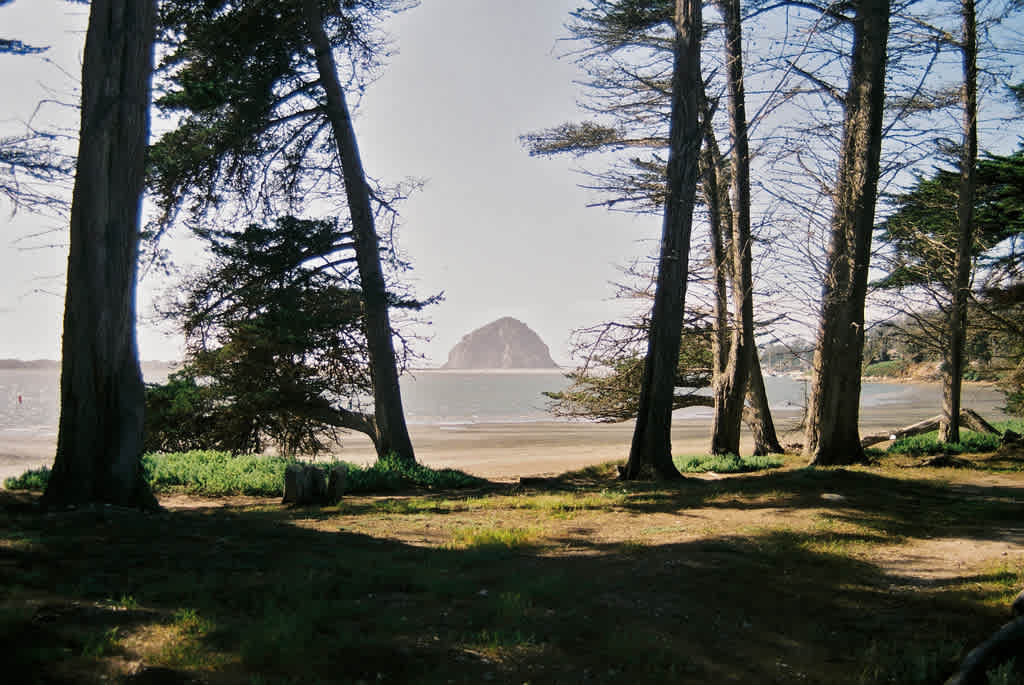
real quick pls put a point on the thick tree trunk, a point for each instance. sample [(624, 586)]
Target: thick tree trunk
[(731, 385), (766, 440), (953, 368), (652, 439), (833, 414), (99, 444), (393, 434)]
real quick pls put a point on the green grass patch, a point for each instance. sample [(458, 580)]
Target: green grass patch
[(211, 473), (895, 368), (33, 479), (493, 538), (728, 463), (970, 441)]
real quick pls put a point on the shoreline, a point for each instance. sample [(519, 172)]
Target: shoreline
[(544, 448)]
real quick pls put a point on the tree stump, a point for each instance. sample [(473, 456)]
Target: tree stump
[(336, 483), (304, 484)]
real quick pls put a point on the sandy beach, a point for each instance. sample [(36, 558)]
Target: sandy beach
[(510, 450)]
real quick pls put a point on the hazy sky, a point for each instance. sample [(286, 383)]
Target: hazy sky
[(500, 233)]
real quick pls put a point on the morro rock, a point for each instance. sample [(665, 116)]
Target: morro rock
[(503, 344)]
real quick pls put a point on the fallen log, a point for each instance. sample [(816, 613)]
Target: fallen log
[(968, 419)]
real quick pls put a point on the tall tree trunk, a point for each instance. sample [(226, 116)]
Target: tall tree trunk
[(833, 414), (99, 444), (766, 440), (731, 385), (393, 434), (949, 430), (716, 196), (652, 439)]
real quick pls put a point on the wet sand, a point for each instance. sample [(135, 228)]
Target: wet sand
[(506, 451)]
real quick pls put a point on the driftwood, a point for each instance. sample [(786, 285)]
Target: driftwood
[(968, 419)]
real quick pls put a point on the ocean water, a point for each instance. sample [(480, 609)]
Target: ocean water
[(29, 398)]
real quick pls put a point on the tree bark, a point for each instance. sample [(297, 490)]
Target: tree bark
[(100, 436), (652, 439), (953, 368), (393, 434), (731, 385), (766, 440), (833, 414)]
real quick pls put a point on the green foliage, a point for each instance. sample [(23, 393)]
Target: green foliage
[(922, 231), (608, 389), (1012, 386), (217, 473), (180, 415), (894, 368), (33, 479), (970, 441), (391, 473), (928, 443), (241, 80), (727, 463)]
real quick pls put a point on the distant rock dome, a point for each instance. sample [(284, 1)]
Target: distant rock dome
[(503, 344)]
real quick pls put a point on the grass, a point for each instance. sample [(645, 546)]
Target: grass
[(214, 474), (971, 442), (748, 578), (894, 368), (727, 463)]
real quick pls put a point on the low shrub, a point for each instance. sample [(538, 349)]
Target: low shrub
[(211, 473), (895, 368), (33, 479), (727, 463)]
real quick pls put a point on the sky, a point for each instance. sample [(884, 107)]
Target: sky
[(499, 232)]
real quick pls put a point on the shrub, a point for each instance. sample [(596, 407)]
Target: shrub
[(727, 463), (33, 479), (894, 368), (212, 473)]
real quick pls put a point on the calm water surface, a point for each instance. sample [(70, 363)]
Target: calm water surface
[(462, 397)]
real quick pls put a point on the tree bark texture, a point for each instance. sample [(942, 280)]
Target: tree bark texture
[(766, 440), (716, 198), (949, 430), (393, 434), (833, 413), (730, 386), (99, 443), (758, 414), (652, 440)]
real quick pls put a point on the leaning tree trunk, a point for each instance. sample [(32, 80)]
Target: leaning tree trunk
[(949, 430), (833, 414), (99, 444), (393, 434), (652, 438), (731, 385)]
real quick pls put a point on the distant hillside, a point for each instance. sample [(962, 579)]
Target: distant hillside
[(503, 344)]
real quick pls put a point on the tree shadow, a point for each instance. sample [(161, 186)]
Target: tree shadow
[(269, 595)]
